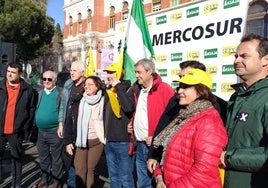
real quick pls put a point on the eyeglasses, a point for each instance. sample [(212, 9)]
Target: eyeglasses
[(47, 79)]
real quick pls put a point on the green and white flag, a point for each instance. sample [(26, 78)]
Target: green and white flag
[(138, 43)]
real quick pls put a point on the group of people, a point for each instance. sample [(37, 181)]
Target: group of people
[(167, 138)]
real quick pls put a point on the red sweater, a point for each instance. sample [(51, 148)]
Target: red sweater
[(192, 155)]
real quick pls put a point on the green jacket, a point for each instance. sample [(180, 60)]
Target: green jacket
[(247, 128)]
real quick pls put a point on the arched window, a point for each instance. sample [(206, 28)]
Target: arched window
[(257, 18), (89, 19), (70, 25), (112, 18), (156, 5), (125, 10), (79, 25)]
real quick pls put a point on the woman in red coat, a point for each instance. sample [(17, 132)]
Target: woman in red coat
[(194, 140)]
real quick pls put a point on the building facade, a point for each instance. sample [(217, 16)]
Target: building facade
[(90, 24)]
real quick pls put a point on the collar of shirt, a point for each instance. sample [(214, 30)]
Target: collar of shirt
[(49, 91)]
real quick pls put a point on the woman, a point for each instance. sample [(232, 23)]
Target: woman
[(194, 140), (90, 133)]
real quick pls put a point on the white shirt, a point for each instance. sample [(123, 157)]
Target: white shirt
[(141, 117)]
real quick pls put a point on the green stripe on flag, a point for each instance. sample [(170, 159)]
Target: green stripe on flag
[(138, 43)]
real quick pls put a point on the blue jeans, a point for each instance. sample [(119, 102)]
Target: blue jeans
[(71, 183), (145, 179), (120, 164)]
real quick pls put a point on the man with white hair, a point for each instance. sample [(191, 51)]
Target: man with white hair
[(72, 93)]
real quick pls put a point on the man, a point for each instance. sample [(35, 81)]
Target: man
[(18, 105), (118, 110), (153, 96), (49, 145), (71, 94), (245, 156)]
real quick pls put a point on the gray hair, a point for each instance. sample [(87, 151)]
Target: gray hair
[(80, 64), (147, 64)]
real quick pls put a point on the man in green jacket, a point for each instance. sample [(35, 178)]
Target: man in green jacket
[(245, 156)]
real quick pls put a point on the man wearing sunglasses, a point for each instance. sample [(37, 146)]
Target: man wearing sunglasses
[(49, 145)]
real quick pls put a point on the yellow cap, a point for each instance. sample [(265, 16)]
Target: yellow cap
[(197, 76), (111, 68)]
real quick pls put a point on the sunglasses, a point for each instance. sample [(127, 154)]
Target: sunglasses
[(47, 79)]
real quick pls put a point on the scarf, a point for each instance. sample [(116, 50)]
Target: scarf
[(185, 114), (114, 102), (84, 116)]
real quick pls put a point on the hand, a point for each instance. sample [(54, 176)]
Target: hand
[(130, 128), (149, 140), (69, 149), (222, 160), (151, 165), (60, 130), (160, 183)]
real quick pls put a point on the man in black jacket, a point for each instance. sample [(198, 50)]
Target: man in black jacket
[(18, 106), (172, 111)]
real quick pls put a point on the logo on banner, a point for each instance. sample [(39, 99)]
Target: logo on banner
[(211, 7), (228, 51), (211, 53), (160, 58), (192, 12), (226, 88), (176, 56), (176, 16), (228, 69), (161, 20), (231, 3), (162, 72), (193, 55), (211, 69)]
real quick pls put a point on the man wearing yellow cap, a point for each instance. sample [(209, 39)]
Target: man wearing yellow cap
[(119, 108)]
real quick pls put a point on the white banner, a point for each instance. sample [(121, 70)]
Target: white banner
[(208, 32)]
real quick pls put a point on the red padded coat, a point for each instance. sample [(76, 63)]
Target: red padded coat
[(193, 153)]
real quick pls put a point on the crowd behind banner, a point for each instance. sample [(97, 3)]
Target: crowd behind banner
[(151, 134)]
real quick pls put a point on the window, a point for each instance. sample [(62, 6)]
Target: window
[(175, 2), (257, 18), (89, 19), (156, 5), (112, 18), (79, 25), (70, 25), (125, 10)]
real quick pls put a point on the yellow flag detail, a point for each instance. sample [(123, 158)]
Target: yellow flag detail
[(90, 67), (114, 102)]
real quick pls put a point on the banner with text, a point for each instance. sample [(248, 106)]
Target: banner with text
[(206, 31)]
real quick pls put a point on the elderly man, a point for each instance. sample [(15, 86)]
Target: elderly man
[(49, 145), (153, 96), (72, 93)]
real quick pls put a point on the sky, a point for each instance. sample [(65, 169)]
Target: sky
[(55, 10)]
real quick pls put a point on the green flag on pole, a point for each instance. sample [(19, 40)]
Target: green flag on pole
[(138, 43)]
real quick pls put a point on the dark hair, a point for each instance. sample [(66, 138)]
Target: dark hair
[(205, 93), (263, 43), (98, 82), (192, 64), (16, 66)]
